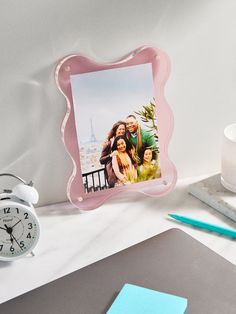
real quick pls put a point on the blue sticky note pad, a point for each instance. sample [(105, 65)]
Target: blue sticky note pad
[(138, 300)]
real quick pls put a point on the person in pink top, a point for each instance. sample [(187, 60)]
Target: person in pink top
[(123, 163)]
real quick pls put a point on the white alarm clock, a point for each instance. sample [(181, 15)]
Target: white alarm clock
[(19, 225)]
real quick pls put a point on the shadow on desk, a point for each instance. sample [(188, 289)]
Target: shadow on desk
[(125, 200)]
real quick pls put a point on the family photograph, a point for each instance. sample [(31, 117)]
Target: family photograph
[(116, 118), (129, 153)]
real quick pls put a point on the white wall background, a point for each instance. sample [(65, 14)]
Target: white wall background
[(199, 36)]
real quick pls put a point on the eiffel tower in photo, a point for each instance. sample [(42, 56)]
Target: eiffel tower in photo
[(92, 134)]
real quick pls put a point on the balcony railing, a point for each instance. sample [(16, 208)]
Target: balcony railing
[(95, 180)]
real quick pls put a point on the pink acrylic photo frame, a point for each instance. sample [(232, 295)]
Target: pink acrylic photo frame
[(77, 64)]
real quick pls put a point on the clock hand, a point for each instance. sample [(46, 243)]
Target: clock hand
[(12, 237), (9, 229), (16, 224)]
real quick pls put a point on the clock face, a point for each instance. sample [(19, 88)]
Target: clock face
[(19, 231)]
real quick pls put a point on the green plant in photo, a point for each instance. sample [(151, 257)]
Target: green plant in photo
[(148, 117)]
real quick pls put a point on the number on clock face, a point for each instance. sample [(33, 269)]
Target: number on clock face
[(18, 231)]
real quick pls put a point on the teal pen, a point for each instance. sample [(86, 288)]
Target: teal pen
[(204, 225)]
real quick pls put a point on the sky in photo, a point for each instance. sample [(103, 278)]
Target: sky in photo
[(104, 97)]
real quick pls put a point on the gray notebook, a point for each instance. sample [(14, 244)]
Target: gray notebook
[(172, 262)]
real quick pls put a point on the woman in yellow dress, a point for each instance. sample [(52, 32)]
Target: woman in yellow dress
[(149, 168)]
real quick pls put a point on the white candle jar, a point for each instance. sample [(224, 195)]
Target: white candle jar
[(228, 161)]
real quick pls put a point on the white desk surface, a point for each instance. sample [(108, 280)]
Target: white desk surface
[(71, 240)]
